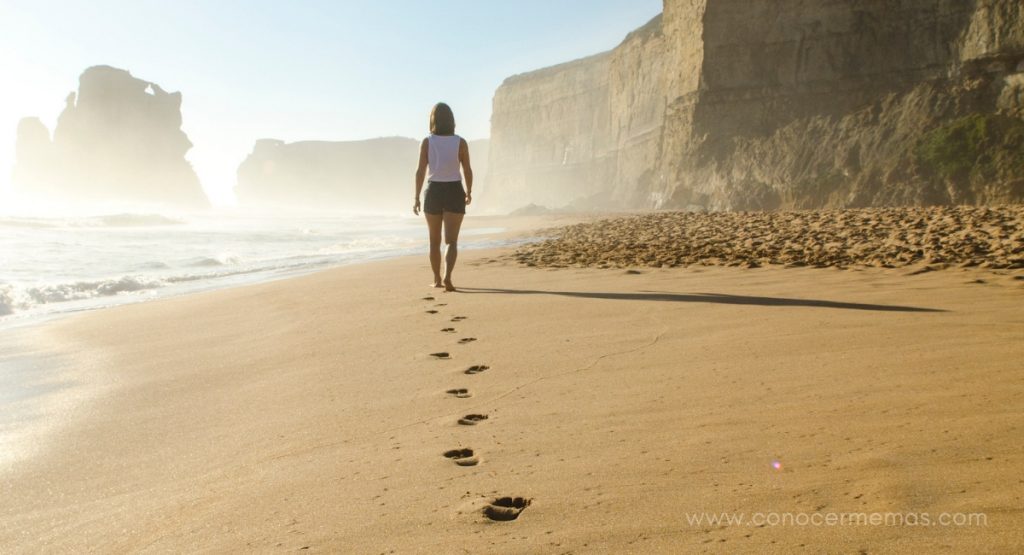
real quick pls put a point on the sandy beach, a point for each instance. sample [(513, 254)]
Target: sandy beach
[(625, 408)]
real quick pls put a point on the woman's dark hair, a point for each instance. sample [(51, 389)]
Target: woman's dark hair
[(442, 120)]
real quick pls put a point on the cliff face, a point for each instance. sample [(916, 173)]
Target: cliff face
[(738, 104), (118, 139), (551, 141), (375, 174)]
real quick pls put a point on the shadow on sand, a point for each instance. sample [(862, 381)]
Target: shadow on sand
[(706, 298)]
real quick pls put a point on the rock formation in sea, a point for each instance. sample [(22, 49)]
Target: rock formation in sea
[(367, 175), (119, 139), (758, 104)]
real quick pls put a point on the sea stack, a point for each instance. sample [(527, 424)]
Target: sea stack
[(119, 139)]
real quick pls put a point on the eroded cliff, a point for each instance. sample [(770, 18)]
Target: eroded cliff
[(119, 139), (741, 104), (551, 142)]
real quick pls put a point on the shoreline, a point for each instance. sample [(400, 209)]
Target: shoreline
[(309, 412), (481, 235), (37, 371), (41, 369)]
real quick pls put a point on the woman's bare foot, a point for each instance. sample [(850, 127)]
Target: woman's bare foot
[(448, 285), (437, 283)]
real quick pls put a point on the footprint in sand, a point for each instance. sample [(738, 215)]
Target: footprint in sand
[(506, 508), (428, 298), (465, 340), (431, 312), (462, 457), (472, 419), (448, 330), (458, 318), (441, 356), (476, 369), (441, 304), (461, 393)]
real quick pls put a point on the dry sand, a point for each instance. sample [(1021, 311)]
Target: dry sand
[(310, 414)]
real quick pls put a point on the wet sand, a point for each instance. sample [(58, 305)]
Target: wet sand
[(344, 411)]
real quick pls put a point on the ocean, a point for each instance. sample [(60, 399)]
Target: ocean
[(52, 266)]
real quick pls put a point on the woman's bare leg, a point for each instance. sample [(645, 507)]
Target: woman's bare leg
[(452, 224), (434, 227)]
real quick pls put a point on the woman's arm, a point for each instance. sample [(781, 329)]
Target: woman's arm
[(467, 169), (421, 174)]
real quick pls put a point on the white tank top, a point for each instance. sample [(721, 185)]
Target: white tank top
[(443, 158)]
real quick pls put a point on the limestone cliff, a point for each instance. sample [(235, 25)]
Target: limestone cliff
[(739, 104), (374, 174), (549, 133), (118, 139)]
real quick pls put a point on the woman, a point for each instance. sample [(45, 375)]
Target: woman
[(441, 156)]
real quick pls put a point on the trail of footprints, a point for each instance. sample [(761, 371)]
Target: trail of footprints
[(472, 419), (499, 509)]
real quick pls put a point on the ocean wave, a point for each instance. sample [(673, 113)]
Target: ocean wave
[(28, 223), (107, 220), (17, 297), (363, 244), (223, 259), (22, 297), (55, 268), (14, 298), (269, 268), (134, 220), (7, 303)]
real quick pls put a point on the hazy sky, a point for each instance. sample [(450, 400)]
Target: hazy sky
[(331, 70)]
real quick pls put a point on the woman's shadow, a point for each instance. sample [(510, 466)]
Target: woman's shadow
[(718, 298)]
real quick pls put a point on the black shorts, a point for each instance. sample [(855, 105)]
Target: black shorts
[(444, 196)]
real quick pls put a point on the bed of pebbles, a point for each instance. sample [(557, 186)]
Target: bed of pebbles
[(937, 237)]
